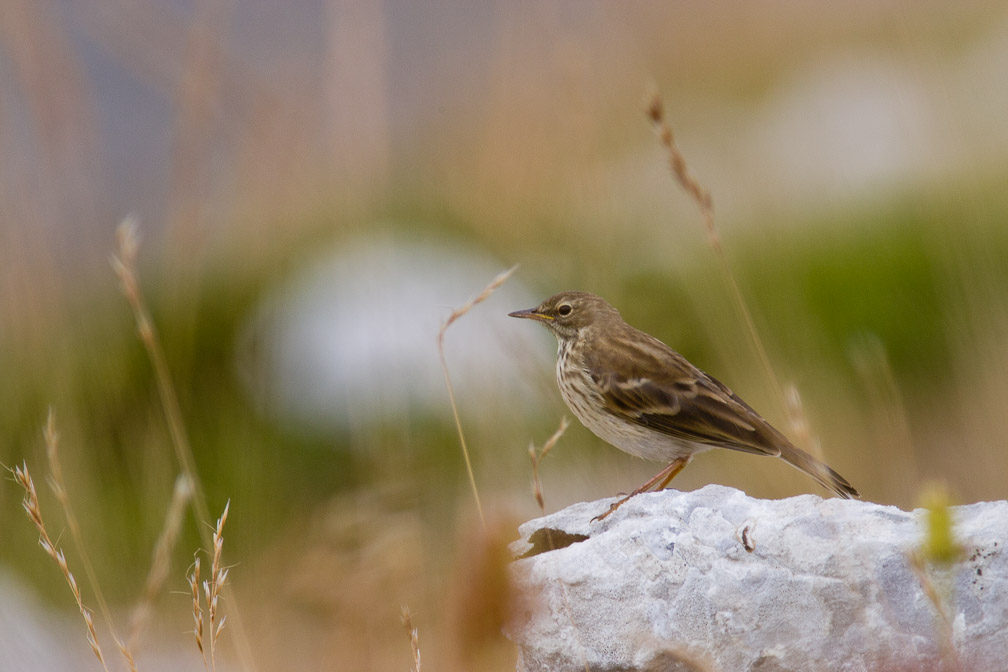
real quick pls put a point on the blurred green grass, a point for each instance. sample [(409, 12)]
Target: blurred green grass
[(815, 291), (818, 291)]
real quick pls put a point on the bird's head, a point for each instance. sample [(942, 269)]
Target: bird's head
[(567, 314)]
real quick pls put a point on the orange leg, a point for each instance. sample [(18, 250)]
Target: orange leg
[(662, 478)]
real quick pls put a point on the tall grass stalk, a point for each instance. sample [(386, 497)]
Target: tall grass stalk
[(124, 264), (705, 204), (30, 503), (455, 315), (58, 485)]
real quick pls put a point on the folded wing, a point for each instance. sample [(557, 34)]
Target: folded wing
[(656, 387)]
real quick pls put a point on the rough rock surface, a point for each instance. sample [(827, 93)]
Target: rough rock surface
[(717, 580)]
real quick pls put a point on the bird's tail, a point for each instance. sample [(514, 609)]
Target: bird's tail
[(818, 470)]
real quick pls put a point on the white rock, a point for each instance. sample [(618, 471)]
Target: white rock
[(667, 583)]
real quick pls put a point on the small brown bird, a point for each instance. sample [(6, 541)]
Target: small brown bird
[(635, 392)]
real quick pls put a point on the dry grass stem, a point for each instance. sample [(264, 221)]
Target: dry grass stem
[(161, 561), (34, 511), (800, 427), (58, 486), (124, 264), (939, 552), (411, 630), (456, 314), (218, 579), (888, 407), (127, 655), (680, 170), (206, 639), (537, 458), (194, 590), (702, 198), (946, 629)]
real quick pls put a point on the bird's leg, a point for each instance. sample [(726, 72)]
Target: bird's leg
[(671, 471), (662, 478)]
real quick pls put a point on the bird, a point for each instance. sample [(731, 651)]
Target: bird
[(641, 396)]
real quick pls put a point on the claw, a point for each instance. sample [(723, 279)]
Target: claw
[(612, 507)]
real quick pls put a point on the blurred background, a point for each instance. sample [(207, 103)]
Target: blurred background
[(319, 183)]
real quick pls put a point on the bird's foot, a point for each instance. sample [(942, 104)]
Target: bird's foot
[(612, 507)]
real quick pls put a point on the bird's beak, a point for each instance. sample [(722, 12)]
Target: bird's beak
[(531, 314)]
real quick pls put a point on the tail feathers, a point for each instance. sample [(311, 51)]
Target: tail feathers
[(820, 471)]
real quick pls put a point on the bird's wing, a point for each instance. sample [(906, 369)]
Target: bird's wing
[(645, 382)]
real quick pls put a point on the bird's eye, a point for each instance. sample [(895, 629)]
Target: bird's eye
[(564, 309)]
